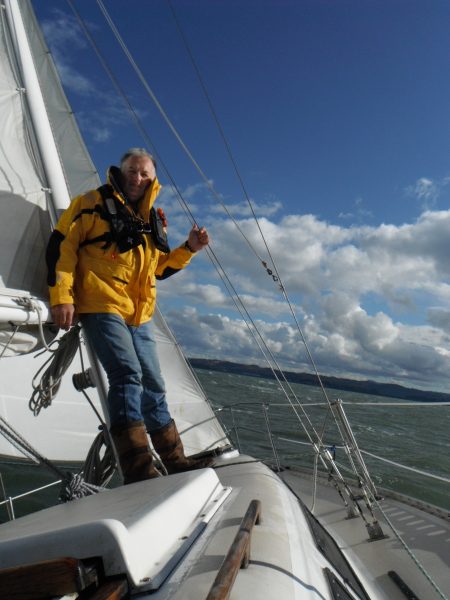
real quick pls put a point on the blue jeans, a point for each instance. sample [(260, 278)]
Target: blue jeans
[(128, 355)]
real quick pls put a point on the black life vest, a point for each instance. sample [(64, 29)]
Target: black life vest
[(125, 229)]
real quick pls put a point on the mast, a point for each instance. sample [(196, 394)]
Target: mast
[(59, 192), (54, 172)]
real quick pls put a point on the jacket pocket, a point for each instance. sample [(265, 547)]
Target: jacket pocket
[(106, 279)]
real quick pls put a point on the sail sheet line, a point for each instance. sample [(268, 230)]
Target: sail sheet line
[(73, 484)]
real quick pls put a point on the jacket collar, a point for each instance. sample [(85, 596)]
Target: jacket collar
[(114, 178)]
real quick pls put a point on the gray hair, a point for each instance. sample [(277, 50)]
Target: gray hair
[(137, 152)]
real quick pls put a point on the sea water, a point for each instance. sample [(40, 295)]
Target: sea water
[(397, 431), (249, 407)]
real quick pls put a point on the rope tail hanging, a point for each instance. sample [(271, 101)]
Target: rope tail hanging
[(46, 389), (97, 469), (73, 485)]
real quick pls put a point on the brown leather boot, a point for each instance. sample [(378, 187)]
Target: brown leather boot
[(133, 451), (168, 445)]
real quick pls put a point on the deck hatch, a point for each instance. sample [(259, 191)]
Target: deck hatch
[(328, 547), (141, 530), (337, 590)]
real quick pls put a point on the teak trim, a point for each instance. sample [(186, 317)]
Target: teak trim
[(238, 555), (58, 577)]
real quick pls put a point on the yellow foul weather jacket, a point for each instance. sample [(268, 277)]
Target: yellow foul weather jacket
[(95, 276)]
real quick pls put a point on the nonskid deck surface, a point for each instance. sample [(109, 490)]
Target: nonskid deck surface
[(124, 528), (285, 562), (426, 534)]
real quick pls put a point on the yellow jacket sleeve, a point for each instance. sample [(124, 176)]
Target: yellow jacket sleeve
[(174, 261)]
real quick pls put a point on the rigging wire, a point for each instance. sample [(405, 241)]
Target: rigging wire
[(208, 183), (185, 206), (200, 171), (169, 123), (278, 276), (323, 456), (213, 257), (233, 161)]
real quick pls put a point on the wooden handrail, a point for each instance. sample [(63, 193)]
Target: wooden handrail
[(114, 589), (59, 577), (56, 577), (238, 555)]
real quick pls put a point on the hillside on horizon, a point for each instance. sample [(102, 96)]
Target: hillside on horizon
[(375, 388)]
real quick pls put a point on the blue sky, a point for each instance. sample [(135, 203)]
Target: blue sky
[(337, 115)]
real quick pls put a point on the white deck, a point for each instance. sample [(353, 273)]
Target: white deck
[(426, 534), (174, 532), (170, 535), (285, 563), (142, 530)]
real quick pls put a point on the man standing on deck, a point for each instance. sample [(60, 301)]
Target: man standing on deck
[(103, 259)]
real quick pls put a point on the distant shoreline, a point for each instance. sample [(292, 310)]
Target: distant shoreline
[(391, 390)]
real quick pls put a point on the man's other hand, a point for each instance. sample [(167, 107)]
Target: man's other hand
[(63, 315)]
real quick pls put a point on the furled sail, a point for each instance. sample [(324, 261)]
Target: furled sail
[(34, 186)]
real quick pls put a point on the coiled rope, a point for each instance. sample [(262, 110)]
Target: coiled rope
[(47, 387), (97, 470)]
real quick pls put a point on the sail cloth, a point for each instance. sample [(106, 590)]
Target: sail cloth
[(25, 224), (25, 221), (26, 210), (187, 401), (64, 431)]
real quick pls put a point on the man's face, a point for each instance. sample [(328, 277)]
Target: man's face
[(138, 172)]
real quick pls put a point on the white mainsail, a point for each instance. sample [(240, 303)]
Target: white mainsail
[(28, 203)]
